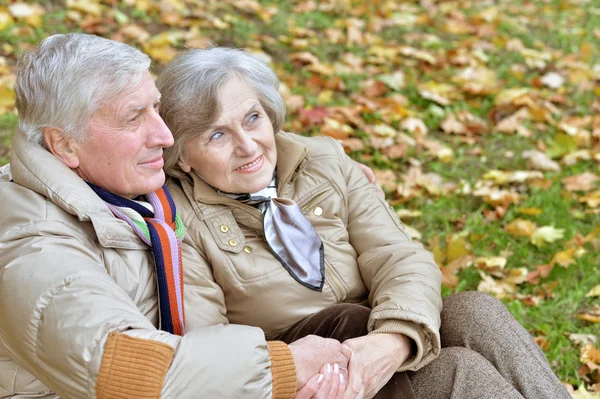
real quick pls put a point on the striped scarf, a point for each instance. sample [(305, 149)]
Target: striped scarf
[(163, 231)]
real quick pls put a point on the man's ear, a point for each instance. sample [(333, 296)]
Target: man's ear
[(62, 147)]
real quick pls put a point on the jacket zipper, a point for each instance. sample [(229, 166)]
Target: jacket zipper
[(287, 179), (313, 201), (336, 286)]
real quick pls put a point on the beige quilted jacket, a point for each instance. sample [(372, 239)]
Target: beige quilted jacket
[(78, 303), (369, 257)]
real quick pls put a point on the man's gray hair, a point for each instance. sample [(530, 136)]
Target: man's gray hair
[(190, 86), (67, 77)]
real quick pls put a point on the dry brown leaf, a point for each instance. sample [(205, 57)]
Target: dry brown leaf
[(414, 125), (582, 182), (396, 151), (500, 289), (541, 271), (583, 339), (591, 199), (387, 179), (539, 161), (452, 125)]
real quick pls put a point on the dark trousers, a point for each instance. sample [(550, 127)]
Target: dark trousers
[(343, 322)]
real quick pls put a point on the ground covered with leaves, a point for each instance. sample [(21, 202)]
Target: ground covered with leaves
[(480, 118)]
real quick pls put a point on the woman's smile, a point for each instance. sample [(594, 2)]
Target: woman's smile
[(253, 166)]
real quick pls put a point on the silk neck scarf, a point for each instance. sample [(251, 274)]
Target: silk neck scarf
[(162, 229), (291, 237)]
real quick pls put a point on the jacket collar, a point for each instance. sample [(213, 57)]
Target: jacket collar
[(34, 167), (291, 155)]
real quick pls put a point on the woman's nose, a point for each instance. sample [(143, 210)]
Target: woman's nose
[(245, 144)]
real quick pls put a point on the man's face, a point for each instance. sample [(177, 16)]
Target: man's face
[(123, 151)]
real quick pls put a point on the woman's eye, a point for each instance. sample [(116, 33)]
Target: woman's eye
[(156, 107), (216, 135), (253, 117)]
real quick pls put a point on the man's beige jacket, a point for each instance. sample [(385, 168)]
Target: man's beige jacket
[(78, 303), (369, 256)]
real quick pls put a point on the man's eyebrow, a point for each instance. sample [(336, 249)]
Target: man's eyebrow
[(136, 110)]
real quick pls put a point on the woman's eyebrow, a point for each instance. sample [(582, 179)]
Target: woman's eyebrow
[(253, 108)]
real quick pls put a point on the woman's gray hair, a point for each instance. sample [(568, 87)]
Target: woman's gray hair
[(67, 77), (190, 86)]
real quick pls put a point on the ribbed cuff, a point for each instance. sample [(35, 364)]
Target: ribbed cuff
[(132, 368), (283, 370), (413, 331)]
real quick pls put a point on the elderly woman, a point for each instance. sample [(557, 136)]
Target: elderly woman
[(91, 300), (285, 233)]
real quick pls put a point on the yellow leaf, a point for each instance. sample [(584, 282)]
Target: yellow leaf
[(161, 54), (86, 6), (7, 94), (589, 353), (594, 292), (5, 19), (589, 317), (521, 228), (490, 262), (457, 247), (564, 258), (546, 234), (530, 211)]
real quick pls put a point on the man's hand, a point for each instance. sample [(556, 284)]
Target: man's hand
[(371, 177), (329, 384), (374, 360), (312, 352)]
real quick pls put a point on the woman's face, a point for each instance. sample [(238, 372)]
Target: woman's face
[(237, 154)]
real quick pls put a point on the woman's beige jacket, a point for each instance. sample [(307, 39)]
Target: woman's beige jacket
[(78, 303), (369, 257)]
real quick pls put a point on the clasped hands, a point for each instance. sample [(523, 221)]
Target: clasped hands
[(354, 369)]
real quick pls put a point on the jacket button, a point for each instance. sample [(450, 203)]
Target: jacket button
[(318, 211), (247, 249), (233, 243), (224, 228)]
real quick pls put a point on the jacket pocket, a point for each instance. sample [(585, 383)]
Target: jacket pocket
[(306, 205), (225, 231)]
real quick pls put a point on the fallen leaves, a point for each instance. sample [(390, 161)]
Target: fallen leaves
[(546, 234)]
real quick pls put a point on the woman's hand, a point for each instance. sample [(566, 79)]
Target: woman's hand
[(374, 360), (311, 353), (329, 384)]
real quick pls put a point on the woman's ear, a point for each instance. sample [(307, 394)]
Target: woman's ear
[(62, 147), (184, 166)]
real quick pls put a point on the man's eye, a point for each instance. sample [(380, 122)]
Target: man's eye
[(134, 119)]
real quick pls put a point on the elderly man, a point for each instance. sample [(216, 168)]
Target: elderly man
[(91, 302)]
